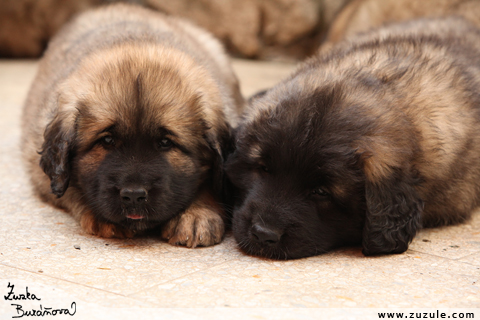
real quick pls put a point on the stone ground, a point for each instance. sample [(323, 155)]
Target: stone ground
[(44, 249)]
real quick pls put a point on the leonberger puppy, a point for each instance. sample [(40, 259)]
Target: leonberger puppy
[(362, 15), (127, 123), (365, 145)]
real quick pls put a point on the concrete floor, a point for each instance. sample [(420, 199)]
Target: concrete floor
[(44, 249)]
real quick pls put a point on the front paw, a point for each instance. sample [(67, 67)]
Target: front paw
[(195, 227), (92, 225)]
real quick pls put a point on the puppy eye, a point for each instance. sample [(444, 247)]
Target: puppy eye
[(263, 168), (107, 141), (165, 143), (320, 192)]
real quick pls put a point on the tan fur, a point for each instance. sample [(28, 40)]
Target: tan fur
[(91, 225), (255, 152), (180, 162), (90, 162), (203, 217), (93, 66)]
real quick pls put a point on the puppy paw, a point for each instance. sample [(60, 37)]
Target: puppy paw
[(195, 227), (103, 229)]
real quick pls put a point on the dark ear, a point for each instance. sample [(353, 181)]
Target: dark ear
[(56, 152), (222, 146), (257, 95), (392, 214)]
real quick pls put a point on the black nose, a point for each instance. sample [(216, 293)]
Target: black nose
[(132, 196), (265, 234)]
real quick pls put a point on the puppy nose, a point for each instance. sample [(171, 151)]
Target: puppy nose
[(133, 195), (265, 234)]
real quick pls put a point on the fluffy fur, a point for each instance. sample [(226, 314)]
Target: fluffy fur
[(127, 122), (364, 145)]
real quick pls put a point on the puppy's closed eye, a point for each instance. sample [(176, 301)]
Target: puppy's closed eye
[(320, 193), (363, 151)]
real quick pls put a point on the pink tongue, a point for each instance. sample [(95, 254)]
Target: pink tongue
[(134, 216)]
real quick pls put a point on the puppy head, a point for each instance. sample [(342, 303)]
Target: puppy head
[(137, 132), (310, 180)]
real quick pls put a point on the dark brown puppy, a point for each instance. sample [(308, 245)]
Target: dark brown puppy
[(363, 146), (126, 124)]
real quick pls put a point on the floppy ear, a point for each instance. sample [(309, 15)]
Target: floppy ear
[(392, 214), (222, 145), (257, 95), (56, 153)]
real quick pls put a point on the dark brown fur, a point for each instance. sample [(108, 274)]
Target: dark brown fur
[(127, 123), (364, 145)]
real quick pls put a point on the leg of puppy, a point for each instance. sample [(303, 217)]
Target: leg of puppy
[(366, 144), (90, 223), (200, 225), (94, 226), (129, 118)]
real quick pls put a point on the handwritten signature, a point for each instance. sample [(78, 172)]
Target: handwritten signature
[(41, 311)]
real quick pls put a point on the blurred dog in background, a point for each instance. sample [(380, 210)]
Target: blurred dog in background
[(261, 29), (363, 15)]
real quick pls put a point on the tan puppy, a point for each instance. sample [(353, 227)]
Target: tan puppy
[(364, 145), (126, 124), (363, 15)]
